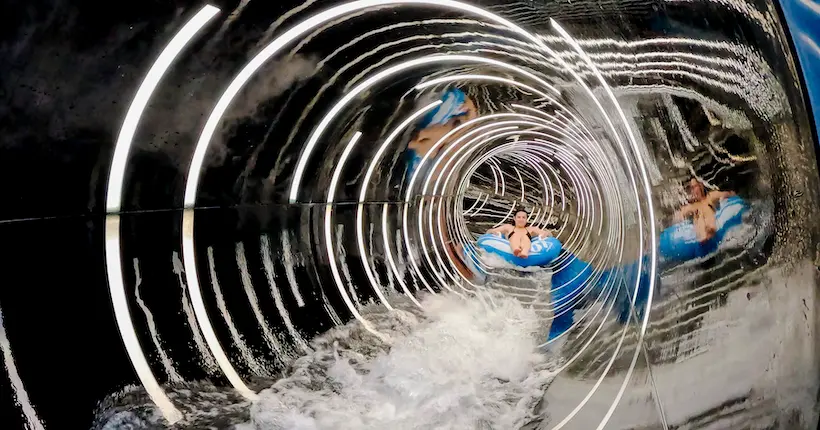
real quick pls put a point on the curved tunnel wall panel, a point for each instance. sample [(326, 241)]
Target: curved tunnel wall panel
[(305, 298)]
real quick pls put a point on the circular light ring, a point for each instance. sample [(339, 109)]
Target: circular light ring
[(559, 312), (409, 188), (465, 236), (113, 204), (331, 253), (444, 139), (493, 154), (493, 134), (437, 203), (363, 194), (327, 16)]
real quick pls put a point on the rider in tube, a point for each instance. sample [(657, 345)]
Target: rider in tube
[(456, 108)]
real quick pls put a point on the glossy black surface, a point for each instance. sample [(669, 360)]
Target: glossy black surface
[(730, 340)]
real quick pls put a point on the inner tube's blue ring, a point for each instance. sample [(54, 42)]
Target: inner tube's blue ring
[(542, 251), (679, 241)]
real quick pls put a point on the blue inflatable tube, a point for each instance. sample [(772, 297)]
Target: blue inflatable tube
[(542, 251), (626, 277), (679, 242), (570, 281), (567, 285)]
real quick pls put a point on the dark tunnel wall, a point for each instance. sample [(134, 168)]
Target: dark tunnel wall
[(628, 334)]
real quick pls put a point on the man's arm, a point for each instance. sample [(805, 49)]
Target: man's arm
[(684, 212)]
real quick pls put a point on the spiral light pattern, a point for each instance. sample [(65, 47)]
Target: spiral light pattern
[(559, 142)]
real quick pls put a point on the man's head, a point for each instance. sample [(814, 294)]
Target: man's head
[(521, 218), (696, 190)]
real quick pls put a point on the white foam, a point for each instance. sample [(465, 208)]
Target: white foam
[(463, 364)]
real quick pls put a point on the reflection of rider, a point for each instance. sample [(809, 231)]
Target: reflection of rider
[(702, 209), (519, 234), (441, 121), (456, 108)]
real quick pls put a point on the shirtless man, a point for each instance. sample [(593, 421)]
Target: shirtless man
[(520, 234), (702, 209)]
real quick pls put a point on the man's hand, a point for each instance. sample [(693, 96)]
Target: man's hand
[(685, 212)]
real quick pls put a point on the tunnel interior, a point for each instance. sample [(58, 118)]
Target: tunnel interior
[(409, 214)]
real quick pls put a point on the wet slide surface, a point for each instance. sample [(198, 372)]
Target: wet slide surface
[(247, 216)]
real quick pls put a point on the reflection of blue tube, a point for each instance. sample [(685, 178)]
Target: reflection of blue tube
[(569, 281), (679, 242), (623, 279), (567, 284), (452, 105), (803, 20), (413, 161)]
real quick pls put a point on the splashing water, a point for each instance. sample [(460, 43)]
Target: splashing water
[(461, 364)]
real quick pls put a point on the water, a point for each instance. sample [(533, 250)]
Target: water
[(463, 364), (460, 364)]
